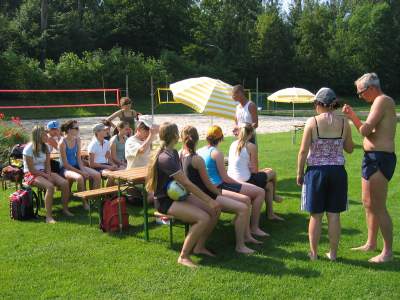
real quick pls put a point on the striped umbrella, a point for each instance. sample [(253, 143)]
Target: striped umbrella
[(205, 95)]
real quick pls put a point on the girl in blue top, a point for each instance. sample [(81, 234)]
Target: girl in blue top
[(72, 167), (245, 192)]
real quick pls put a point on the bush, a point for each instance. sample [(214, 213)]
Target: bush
[(11, 133)]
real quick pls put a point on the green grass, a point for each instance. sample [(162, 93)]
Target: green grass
[(73, 260)]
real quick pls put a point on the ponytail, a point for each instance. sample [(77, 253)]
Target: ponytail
[(245, 134), (190, 137)]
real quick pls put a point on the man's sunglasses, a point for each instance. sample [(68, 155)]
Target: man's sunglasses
[(362, 92)]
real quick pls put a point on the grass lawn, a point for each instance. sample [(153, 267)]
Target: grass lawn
[(73, 260)]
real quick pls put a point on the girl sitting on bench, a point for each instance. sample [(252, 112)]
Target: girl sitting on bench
[(37, 172), (72, 167), (198, 209), (195, 169)]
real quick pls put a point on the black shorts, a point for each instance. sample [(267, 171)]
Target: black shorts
[(259, 179), (375, 161), (233, 187), (101, 169), (163, 204), (324, 189)]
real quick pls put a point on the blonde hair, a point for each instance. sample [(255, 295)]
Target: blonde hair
[(36, 138), (168, 132), (245, 134), (190, 137)]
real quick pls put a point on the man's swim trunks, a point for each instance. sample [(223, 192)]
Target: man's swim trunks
[(375, 161)]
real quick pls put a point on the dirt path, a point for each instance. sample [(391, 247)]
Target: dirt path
[(267, 124)]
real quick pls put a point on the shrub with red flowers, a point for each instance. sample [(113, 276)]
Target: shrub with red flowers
[(11, 132)]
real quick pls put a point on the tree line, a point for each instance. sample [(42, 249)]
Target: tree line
[(91, 43)]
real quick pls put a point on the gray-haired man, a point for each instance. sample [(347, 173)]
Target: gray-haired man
[(379, 161)]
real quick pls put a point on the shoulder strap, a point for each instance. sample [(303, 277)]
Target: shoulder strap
[(316, 124), (341, 135)]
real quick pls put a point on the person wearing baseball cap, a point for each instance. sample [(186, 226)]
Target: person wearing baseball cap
[(324, 183), (241, 191), (54, 134)]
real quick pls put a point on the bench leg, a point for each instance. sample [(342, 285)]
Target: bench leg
[(145, 215), (90, 211), (171, 233)]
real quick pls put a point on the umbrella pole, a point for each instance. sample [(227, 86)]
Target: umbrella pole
[(293, 111)]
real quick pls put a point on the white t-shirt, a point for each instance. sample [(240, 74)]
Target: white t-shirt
[(38, 162), (99, 150), (239, 165), (51, 148), (133, 158)]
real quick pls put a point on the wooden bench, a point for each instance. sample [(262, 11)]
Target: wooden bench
[(172, 222), (93, 195)]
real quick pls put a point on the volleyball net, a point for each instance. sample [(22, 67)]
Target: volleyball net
[(61, 98)]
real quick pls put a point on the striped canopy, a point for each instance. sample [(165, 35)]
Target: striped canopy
[(205, 95)]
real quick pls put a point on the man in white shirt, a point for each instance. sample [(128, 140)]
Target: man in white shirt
[(138, 146), (246, 110)]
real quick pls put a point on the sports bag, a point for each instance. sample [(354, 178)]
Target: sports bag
[(110, 219), (22, 205)]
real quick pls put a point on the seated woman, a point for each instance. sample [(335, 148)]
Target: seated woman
[(72, 167), (36, 157), (325, 181), (195, 169), (99, 153), (214, 160), (125, 114), (198, 209), (138, 146), (243, 166), (117, 145)]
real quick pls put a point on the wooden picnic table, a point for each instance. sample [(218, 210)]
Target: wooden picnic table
[(134, 177)]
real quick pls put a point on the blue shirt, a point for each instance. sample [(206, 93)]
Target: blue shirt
[(211, 164)]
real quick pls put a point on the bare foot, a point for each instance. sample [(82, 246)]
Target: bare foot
[(244, 250), (381, 258), (275, 217), (330, 256), (252, 240), (203, 251), (312, 256), (187, 262), (259, 232), (50, 220), (278, 199), (68, 213), (365, 248)]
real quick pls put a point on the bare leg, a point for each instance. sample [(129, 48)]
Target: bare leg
[(378, 186), (269, 203), (241, 221), (272, 177), (244, 199), (334, 234), (257, 195), (62, 183), (48, 198), (314, 234), (200, 247), (372, 222), (198, 218)]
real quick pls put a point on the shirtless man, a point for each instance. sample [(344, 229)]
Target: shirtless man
[(379, 162)]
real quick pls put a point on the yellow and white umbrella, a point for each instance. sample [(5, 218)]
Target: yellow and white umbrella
[(205, 95), (292, 95)]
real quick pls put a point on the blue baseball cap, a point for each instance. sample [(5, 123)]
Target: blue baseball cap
[(53, 125)]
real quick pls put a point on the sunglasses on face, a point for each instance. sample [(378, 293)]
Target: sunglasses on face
[(76, 127), (362, 92)]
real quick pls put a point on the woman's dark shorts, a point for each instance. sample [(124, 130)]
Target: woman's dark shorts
[(324, 189), (233, 187), (259, 179)]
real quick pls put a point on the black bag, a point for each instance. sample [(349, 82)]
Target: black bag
[(16, 151), (22, 206), (134, 196)]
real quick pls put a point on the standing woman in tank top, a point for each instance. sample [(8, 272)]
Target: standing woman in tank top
[(125, 114), (324, 184)]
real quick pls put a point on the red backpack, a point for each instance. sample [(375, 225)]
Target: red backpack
[(21, 205), (110, 219)]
